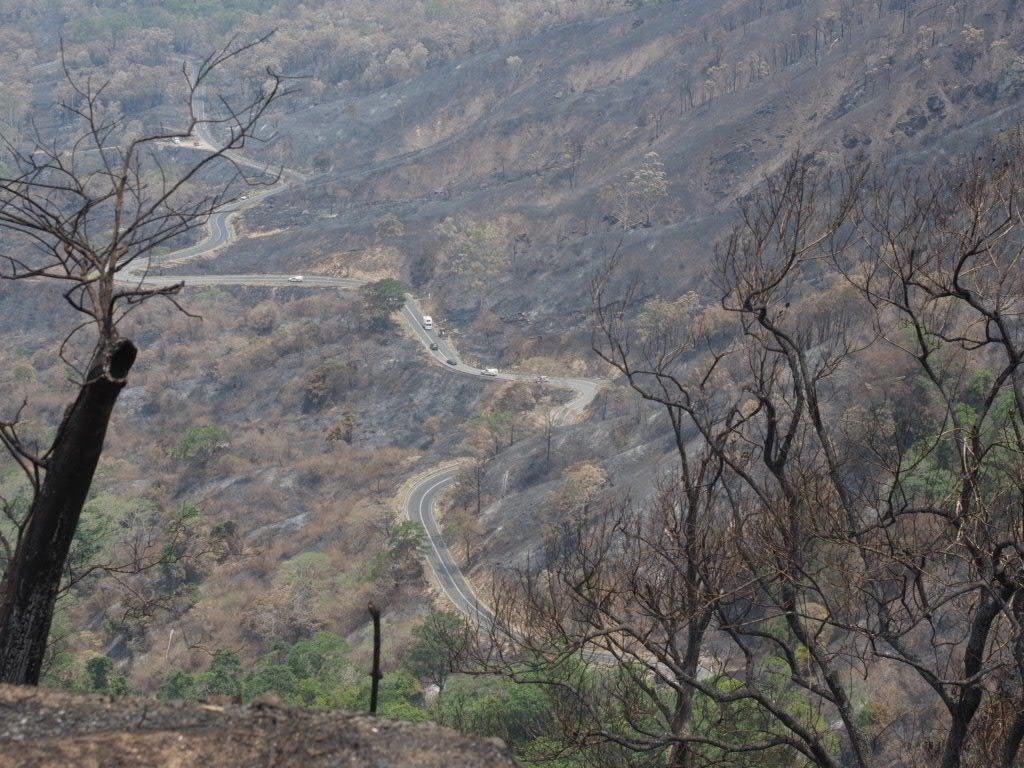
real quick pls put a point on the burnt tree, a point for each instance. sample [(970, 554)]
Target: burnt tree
[(89, 215)]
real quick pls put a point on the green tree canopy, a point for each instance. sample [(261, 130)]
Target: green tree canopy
[(430, 655), (224, 677), (493, 706)]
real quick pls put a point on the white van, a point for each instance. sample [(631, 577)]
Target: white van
[(428, 322)]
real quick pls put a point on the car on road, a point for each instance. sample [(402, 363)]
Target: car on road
[(541, 380), (488, 371), (452, 361), (428, 322), (296, 279), (434, 346)]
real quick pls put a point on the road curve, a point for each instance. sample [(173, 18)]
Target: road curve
[(441, 351), (419, 507)]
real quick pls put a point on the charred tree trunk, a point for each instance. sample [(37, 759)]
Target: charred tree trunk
[(970, 697), (33, 576), (681, 754), (1015, 733)]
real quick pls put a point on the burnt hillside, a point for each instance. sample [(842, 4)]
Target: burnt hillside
[(527, 146)]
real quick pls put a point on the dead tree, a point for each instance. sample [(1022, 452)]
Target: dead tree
[(617, 626), (732, 397), (940, 267), (849, 430), (81, 216), (618, 623), (879, 534)]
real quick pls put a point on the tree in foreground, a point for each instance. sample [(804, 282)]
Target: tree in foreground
[(91, 217), (833, 573)]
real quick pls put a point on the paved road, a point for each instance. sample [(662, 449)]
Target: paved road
[(423, 495), (420, 509)]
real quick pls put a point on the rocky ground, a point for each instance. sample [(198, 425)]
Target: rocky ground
[(44, 729)]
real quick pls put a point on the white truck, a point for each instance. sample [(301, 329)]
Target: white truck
[(428, 322)]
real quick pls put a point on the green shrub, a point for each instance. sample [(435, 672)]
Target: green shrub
[(224, 677), (179, 685), (200, 443), (491, 706), (101, 678), (399, 694)]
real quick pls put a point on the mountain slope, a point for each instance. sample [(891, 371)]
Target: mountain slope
[(533, 140)]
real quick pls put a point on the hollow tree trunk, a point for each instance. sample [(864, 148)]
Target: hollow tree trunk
[(30, 585)]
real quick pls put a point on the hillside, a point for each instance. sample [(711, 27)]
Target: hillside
[(493, 159), (519, 156), (529, 159)]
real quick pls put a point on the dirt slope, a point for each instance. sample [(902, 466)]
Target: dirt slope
[(43, 729)]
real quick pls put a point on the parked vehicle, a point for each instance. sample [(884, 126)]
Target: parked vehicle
[(428, 322), (434, 347), (452, 361)]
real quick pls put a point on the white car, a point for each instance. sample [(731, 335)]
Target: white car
[(296, 279), (488, 371), (177, 141)]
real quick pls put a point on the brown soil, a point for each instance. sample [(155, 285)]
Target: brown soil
[(41, 728)]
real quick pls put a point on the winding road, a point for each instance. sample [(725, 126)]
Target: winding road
[(422, 496), (419, 507)]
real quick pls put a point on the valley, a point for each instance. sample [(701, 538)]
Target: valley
[(683, 337), (421, 497)]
